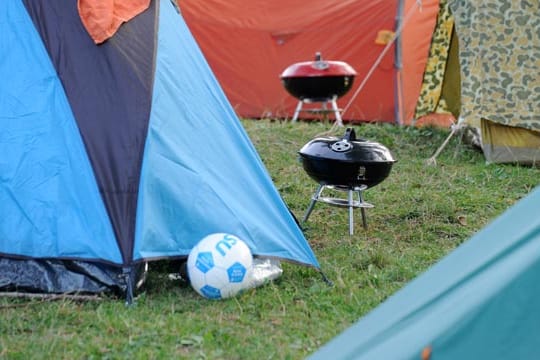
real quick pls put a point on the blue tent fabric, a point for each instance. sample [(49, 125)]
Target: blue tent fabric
[(206, 157), (479, 302), (49, 201), (123, 152)]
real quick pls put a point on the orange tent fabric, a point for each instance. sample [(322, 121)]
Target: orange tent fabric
[(102, 18), (248, 44)]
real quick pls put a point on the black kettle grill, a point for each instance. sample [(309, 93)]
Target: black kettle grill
[(345, 164)]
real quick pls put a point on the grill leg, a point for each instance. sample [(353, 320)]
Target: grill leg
[(297, 111), (351, 212), (313, 201), (336, 112), (362, 209)]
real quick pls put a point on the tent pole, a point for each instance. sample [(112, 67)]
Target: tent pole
[(401, 23), (398, 64), (127, 273)]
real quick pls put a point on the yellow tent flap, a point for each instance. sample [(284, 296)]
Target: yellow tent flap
[(510, 144)]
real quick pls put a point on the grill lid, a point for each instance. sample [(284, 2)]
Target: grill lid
[(347, 148), (319, 67)]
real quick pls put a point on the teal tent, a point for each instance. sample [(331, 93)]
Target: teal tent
[(479, 302)]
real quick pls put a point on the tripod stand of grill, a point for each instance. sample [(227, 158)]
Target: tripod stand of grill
[(348, 202), (324, 108)]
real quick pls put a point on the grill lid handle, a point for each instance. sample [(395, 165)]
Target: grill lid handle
[(350, 135), (319, 63)]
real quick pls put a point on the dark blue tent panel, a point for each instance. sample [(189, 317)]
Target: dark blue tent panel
[(109, 90), (60, 276), (126, 151)]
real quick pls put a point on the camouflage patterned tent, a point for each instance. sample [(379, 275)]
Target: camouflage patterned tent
[(490, 79)]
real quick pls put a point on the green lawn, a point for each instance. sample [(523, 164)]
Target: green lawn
[(421, 213)]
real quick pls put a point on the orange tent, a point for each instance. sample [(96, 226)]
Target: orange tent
[(248, 44)]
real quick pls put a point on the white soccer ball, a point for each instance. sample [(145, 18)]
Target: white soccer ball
[(220, 266)]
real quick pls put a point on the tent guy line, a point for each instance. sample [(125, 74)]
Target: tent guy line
[(395, 36)]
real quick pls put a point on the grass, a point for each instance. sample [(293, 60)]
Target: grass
[(421, 213)]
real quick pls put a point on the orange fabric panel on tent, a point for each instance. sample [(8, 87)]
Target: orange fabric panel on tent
[(102, 18), (416, 40), (248, 44)]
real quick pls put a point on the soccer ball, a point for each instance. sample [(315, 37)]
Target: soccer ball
[(220, 266)]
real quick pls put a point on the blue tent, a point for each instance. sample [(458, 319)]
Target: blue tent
[(120, 153), (479, 302)]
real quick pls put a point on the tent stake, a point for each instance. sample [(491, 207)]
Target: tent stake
[(326, 279)]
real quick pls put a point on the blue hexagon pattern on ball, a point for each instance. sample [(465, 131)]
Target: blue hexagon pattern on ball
[(204, 262), (220, 266)]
